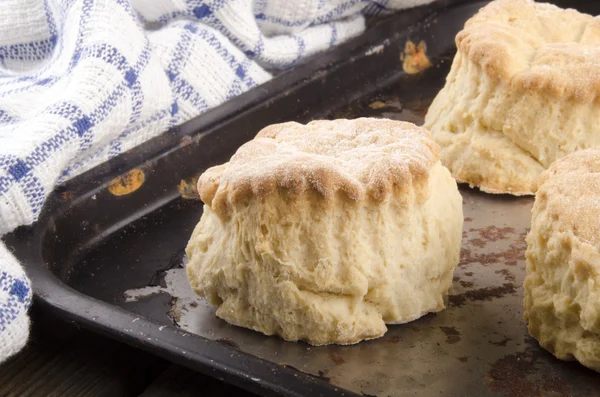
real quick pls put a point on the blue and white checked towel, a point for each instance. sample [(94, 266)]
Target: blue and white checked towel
[(84, 80)]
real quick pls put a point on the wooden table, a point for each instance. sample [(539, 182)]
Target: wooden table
[(85, 364)]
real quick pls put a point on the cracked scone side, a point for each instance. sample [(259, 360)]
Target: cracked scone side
[(522, 92), (562, 286), (321, 270), (468, 126)]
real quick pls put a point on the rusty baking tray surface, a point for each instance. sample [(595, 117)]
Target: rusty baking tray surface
[(110, 258)]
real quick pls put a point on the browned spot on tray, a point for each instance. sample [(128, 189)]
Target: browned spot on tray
[(377, 105), (395, 103), (186, 140), (323, 374), (509, 257), (468, 219), (66, 195), (415, 329), (193, 304), (452, 335), (466, 257), (482, 294), (493, 233), (477, 242), (189, 189), (128, 183), (463, 359), (394, 339), (336, 358), (469, 274), (510, 376), (228, 342), (428, 318), (320, 374), (508, 276), (414, 58), (556, 387), (466, 284), (502, 342)]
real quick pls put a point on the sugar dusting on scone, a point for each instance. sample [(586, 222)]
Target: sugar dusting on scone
[(362, 159), (325, 232), (562, 286), (522, 92)]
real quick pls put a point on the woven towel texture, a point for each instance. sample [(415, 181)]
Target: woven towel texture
[(82, 81)]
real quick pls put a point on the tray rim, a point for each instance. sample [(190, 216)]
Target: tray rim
[(207, 356)]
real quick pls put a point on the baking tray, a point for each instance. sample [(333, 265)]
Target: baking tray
[(107, 252)]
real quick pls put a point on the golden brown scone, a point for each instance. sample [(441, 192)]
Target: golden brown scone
[(325, 232), (522, 92), (562, 286)]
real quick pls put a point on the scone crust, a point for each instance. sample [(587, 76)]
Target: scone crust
[(364, 159), (562, 286), (521, 93), (571, 188), (536, 47), (327, 232)]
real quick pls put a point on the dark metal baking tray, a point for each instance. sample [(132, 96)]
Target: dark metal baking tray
[(113, 263)]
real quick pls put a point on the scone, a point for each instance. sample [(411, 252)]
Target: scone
[(562, 286), (325, 232), (522, 92)]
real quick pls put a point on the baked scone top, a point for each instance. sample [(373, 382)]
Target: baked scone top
[(537, 47), (571, 191), (362, 158)]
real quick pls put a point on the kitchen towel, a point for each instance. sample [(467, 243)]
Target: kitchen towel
[(82, 81)]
